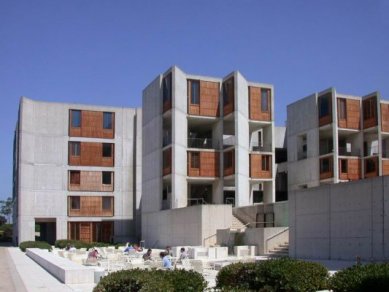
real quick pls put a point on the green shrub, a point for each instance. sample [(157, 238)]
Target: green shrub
[(153, 280), (62, 243), (371, 277), (273, 275), (34, 244)]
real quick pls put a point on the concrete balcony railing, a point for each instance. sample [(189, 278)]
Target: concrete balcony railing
[(203, 143), (255, 146), (229, 141)]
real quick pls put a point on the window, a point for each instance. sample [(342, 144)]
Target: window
[(195, 160), (343, 166), (164, 194), (266, 162), (75, 177), (107, 177), (75, 203), (107, 203), (370, 165), (107, 120), (342, 108), (228, 159), (107, 150), (265, 93), (281, 155), (257, 197), (194, 92), (325, 165), (167, 87), (75, 148), (76, 118), (324, 105), (228, 91), (368, 108)]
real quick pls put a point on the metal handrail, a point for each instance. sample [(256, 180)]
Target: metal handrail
[(258, 222), (230, 201), (273, 236)]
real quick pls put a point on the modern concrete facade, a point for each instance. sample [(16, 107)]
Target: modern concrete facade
[(76, 172), (334, 137), (209, 141), (341, 221)]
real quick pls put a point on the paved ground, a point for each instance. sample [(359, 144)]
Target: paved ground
[(9, 277)]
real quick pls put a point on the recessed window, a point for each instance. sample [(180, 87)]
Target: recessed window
[(369, 108), (324, 105), (342, 108), (76, 118), (228, 159), (167, 87), (257, 196), (107, 203), (107, 177), (370, 166), (265, 94), (166, 158), (266, 162), (195, 160), (107, 120), (325, 165), (75, 148), (194, 91), (343, 166), (107, 150), (75, 177), (75, 203), (228, 91)]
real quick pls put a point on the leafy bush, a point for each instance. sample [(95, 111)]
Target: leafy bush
[(371, 277), (153, 280), (34, 244), (62, 243), (273, 275)]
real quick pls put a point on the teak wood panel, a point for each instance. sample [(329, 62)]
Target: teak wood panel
[(256, 170), (208, 165), (92, 155), (91, 231), (330, 173), (92, 126), (208, 99), (91, 181), (385, 117), (255, 109), (167, 157), (90, 206), (372, 173), (353, 169), (370, 103), (229, 170), (385, 167), (353, 114)]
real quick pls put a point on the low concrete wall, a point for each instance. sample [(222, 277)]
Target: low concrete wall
[(256, 213), (195, 225), (63, 269), (341, 221)]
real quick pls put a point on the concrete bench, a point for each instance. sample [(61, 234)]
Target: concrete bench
[(63, 269)]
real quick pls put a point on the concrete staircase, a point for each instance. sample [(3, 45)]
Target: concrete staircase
[(281, 250), (236, 224)]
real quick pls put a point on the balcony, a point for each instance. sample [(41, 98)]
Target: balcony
[(371, 167), (350, 169), (202, 143), (346, 151), (203, 164), (256, 146)]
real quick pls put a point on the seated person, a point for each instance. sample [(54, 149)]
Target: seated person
[(92, 256), (166, 262), (168, 251), (147, 255), (183, 255), (128, 247), (138, 248)]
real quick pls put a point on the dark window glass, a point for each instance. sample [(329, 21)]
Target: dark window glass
[(343, 166), (75, 148), (342, 109), (107, 120), (265, 162), (228, 91), (194, 92), (107, 203), (324, 106), (107, 177), (75, 203), (257, 196), (325, 165), (370, 166), (265, 99), (75, 177), (195, 160), (76, 118), (281, 155), (107, 150), (164, 194), (167, 87), (369, 108), (228, 159)]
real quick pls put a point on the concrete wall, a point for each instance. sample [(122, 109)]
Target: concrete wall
[(341, 221), (185, 226), (43, 167)]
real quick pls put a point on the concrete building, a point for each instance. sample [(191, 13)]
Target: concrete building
[(334, 137), (209, 144), (77, 172)]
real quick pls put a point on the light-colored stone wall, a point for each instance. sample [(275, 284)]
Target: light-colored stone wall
[(341, 221)]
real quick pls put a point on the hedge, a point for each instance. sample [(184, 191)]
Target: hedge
[(273, 275), (34, 244), (62, 243), (371, 277), (152, 280)]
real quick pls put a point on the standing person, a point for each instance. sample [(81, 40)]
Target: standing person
[(166, 262)]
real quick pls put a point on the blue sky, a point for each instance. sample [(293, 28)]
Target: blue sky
[(106, 52)]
